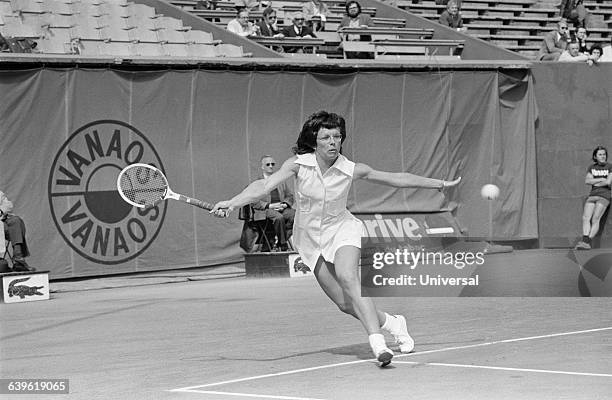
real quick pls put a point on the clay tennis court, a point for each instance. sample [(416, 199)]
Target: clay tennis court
[(218, 335)]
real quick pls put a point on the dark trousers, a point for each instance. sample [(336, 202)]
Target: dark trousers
[(283, 224), (14, 231)]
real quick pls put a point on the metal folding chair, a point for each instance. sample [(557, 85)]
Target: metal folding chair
[(262, 228)]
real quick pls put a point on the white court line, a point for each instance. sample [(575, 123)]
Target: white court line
[(470, 346), (265, 396), (295, 371), (547, 371)]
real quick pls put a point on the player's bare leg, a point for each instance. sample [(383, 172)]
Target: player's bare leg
[(347, 296), (326, 276), (394, 324)]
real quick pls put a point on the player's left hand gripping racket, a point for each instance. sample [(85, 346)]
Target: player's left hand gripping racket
[(144, 186)]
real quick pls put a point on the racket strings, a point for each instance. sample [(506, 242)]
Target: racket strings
[(143, 185)]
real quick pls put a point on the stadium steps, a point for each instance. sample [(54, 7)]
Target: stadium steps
[(226, 11), (516, 25), (107, 28)]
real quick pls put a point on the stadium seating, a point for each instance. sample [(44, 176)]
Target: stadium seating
[(329, 44), (517, 25), (104, 26), (107, 28)]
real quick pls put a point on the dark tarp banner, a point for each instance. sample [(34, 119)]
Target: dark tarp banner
[(66, 134), (575, 101)]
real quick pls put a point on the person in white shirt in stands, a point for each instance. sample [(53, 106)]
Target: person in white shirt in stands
[(573, 54), (242, 26)]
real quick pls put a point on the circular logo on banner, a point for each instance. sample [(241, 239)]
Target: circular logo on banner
[(85, 205)]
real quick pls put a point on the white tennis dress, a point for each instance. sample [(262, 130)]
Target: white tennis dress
[(322, 223)]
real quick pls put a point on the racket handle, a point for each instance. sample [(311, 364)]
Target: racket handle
[(196, 202)]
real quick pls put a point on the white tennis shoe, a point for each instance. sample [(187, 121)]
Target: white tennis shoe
[(401, 335)]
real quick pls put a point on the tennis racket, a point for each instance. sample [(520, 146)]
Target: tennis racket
[(144, 186)]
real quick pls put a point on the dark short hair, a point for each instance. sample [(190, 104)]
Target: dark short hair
[(596, 150), (350, 3), (596, 47), (307, 140), (268, 11)]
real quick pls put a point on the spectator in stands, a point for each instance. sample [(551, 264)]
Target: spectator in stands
[(451, 17), (581, 38), (596, 53), (4, 47), (276, 207), (14, 231), (249, 5), (555, 42), (572, 53), (599, 177), (445, 2), (268, 26), (241, 24), (575, 12), (606, 53), (17, 45), (316, 13), (354, 18), (206, 5), (297, 30)]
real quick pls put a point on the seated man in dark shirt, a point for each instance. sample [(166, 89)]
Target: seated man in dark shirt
[(268, 26), (276, 208), (451, 17), (297, 30)]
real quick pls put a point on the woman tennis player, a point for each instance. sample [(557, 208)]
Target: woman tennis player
[(325, 233)]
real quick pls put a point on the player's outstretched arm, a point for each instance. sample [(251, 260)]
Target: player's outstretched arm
[(400, 179), (257, 189)]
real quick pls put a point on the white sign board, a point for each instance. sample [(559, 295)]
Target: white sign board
[(17, 288)]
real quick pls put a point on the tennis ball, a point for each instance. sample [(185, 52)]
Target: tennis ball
[(489, 192)]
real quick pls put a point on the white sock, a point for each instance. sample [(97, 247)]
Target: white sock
[(377, 342)]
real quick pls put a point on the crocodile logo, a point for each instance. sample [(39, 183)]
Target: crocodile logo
[(23, 290), (299, 266)]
